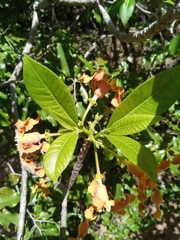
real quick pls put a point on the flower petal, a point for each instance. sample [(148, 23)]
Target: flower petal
[(135, 170), (93, 187), (89, 213), (176, 159), (119, 205), (101, 193), (99, 75), (44, 146), (100, 88), (82, 230), (158, 213), (156, 197), (117, 97), (24, 126), (97, 203), (163, 165), (40, 172), (85, 78)]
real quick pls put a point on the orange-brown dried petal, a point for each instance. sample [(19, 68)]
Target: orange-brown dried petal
[(163, 165), (158, 213), (156, 197), (135, 170), (176, 160)]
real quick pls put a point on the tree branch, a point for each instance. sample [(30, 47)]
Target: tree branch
[(148, 32), (137, 36), (13, 78), (76, 168)]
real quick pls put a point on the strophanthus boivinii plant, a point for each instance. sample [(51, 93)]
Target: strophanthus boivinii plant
[(125, 117)]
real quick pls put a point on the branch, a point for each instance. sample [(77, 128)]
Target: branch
[(22, 208), (137, 36), (148, 32), (13, 78), (46, 3), (76, 168)]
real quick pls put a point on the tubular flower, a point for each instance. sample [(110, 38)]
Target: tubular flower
[(101, 202), (26, 142), (145, 183), (101, 84), (29, 143)]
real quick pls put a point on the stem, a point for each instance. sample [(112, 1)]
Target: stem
[(91, 103), (110, 151), (86, 112), (76, 168), (97, 161), (23, 201)]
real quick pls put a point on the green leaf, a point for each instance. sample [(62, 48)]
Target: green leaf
[(59, 155), (50, 93), (14, 179), (114, 8), (80, 109), (87, 64), (4, 119), (7, 218), (174, 47), (170, 2), (97, 16), (8, 197), (152, 97), (126, 10), (84, 94), (132, 124), (136, 153), (64, 57)]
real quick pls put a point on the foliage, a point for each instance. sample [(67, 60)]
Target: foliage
[(143, 128)]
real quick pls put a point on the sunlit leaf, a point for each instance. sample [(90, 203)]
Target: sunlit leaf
[(87, 64), (4, 119), (8, 197), (50, 93), (6, 218), (64, 57), (174, 47), (152, 97), (136, 153), (59, 155), (132, 124), (126, 10)]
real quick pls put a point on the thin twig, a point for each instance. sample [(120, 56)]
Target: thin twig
[(17, 70), (76, 168)]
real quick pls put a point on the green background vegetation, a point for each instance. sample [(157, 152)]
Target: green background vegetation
[(70, 41)]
